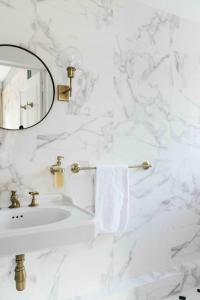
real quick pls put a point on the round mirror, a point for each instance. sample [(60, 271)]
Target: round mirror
[(26, 88)]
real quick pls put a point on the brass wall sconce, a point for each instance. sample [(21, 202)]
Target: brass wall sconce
[(65, 91), (71, 57)]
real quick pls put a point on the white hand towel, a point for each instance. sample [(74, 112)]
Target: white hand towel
[(112, 199)]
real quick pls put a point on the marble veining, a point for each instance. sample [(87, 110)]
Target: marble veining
[(136, 97)]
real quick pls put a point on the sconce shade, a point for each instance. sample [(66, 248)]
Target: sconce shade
[(70, 56)]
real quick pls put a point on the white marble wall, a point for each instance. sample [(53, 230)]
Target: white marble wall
[(136, 97)]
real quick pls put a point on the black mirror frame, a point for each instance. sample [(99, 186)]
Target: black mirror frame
[(53, 84)]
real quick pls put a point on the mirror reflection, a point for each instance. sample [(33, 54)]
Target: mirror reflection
[(26, 88)]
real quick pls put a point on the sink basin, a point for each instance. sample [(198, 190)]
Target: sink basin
[(29, 217), (54, 223)]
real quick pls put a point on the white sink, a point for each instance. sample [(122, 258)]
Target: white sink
[(29, 217), (52, 224)]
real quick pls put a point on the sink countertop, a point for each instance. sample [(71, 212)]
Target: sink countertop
[(76, 228)]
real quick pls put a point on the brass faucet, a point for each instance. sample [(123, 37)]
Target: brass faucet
[(14, 200), (34, 202)]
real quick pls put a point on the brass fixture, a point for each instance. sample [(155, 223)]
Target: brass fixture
[(58, 171), (34, 202), (30, 104), (14, 200), (57, 168), (20, 273), (65, 91), (76, 168), (23, 106), (145, 165)]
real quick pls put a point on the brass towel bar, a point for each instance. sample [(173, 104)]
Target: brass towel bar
[(75, 168)]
